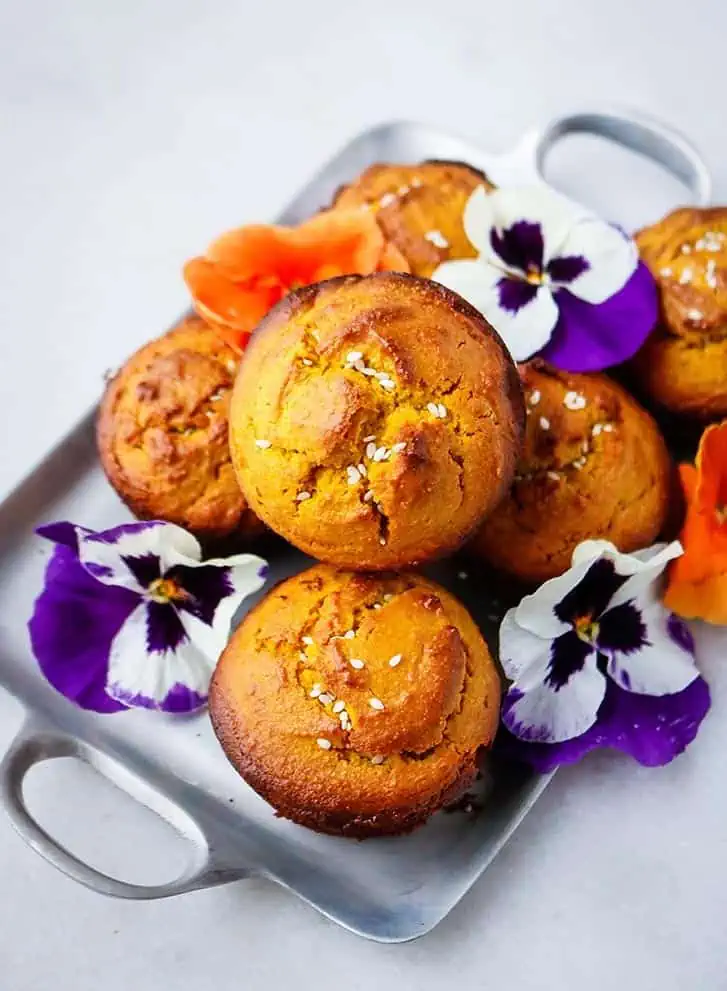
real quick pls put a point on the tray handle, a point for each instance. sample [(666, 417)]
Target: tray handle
[(644, 135), (35, 744)]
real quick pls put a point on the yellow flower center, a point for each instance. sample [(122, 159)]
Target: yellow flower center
[(587, 628), (165, 590), (534, 276)]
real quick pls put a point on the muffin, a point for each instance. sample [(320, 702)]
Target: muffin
[(419, 208), (375, 420), (683, 364), (162, 434), (356, 704), (594, 465)]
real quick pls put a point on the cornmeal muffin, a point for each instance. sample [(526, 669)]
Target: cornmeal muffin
[(594, 465), (375, 420), (356, 704), (419, 208), (162, 433), (683, 365)]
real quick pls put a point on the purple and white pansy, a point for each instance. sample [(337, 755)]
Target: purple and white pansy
[(133, 616), (553, 279), (596, 660)]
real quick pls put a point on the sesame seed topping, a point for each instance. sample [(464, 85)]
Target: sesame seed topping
[(534, 397), (700, 244), (381, 453), (393, 661), (442, 411), (387, 199), (323, 743), (574, 400), (362, 470), (378, 759), (666, 272), (356, 663), (368, 439), (403, 190), (387, 384), (325, 698), (686, 249), (349, 634), (400, 446), (368, 495), (433, 409), (315, 691), (554, 475), (584, 447), (308, 640), (686, 277), (264, 444), (377, 605), (437, 239), (339, 706), (382, 541), (608, 428), (352, 475), (416, 182), (694, 314), (387, 597), (231, 366), (597, 428), (354, 356), (307, 361), (710, 276), (544, 423), (302, 655), (370, 449), (462, 575), (579, 463), (369, 371), (376, 703), (302, 496)]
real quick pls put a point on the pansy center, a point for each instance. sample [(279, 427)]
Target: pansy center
[(165, 590), (534, 276), (587, 628)]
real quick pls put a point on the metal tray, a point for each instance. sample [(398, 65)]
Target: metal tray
[(388, 889)]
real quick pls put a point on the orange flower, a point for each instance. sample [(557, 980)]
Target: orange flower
[(247, 271), (697, 587)]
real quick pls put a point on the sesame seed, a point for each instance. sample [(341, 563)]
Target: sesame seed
[(231, 366), (437, 239), (608, 428), (339, 706), (700, 244), (462, 575), (376, 703), (349, 634), (368, 495), (400, 446), (323, 743), (264, 444), (686, 249), (388, 597), (666, 272), (396, 659), (353, 356), (356, 663), (433, 409), (362, 470), (387, 384), (325, 699), (694, 314), (686, 277), (534, 397), (584, 447), (416, 182), (380, 454), (403, 190), (352, 475), (544, 423), (368, 439), (370, 449), (597, 428), (574, 400), (302, 655), (307, 361), (377, 605), (308, 640), (369, 371), (382, 541), (387, 199), (302, 496), (442, 411), (554, 475), (315, 691), (359, 365), (378, 759)]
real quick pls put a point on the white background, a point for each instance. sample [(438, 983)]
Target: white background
[(132, 132)]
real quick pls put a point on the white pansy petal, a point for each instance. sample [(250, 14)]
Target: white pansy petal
[(207, 619), (544, 715), (554, 213), (644, 568), (474, 279), (536, 612), (520, 650), (175, 679), (589, 550), (106, 554), (661, 667), (612, 259), (478, 220)]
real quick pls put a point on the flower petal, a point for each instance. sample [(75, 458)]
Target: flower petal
[(107, 554), (537, 612), (643, 570), (651, 729), (217, 599), (610, 255), (566, 268), (521, 650), (592, 594), (142, 673), (546, 714), (519, 247), (74, 622), (514, 294), (588, 337)]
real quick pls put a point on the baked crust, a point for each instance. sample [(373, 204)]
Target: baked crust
[(308, 409), (598, 471), (393, 766), (683, 364), (162, 433), (419, 208)]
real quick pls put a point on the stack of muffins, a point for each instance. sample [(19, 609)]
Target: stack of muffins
[(377, 422)]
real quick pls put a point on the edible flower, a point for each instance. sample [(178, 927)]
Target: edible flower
[(596, 660), (697, 587), (247, 271), (133, 616), (553, 279)]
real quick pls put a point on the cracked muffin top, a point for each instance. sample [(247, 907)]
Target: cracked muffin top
[(683, 364), (356, 703), (375, 420), (594, 465), (419, 208), (162, 433)]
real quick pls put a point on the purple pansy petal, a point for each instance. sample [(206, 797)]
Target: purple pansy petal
[(146, 568), (652, 729), (588, 338), (567, 268), (568, 654), (164, 629), (622, 630), (519, 246), (62, 533), (205, 587), (72, 627), (611, 259), (537, 612), (514, 294), (592, 594), (107, 554)]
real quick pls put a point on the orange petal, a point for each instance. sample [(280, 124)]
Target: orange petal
[(706, 599), (254, 251), (350, 240), (220, 301), (712, 467), (392, 260)]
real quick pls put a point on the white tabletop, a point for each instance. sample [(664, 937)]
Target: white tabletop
[(131, 134)]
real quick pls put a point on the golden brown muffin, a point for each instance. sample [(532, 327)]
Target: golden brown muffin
[(594, 466), (419, 208), (162, 433), (375, 420), (356, 704), (683, 365)]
